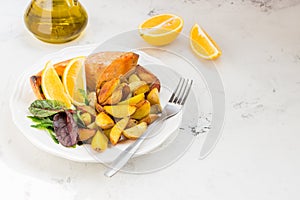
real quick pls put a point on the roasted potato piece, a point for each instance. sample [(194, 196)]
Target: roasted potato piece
[(125, 91), (141, 89), (136, 84), (145, 75), (156, 84), (120, 111), (149, 119), (129, 96), (142, 111), (153, 96), (107, 89), (99, 141), (139, 104), (87, 109), (155, 109), (86, 118), (85, 133), (132, 122), (92, 125), (117, 130), (133, 100), (104, 121), (107, 132), (99, 108), (133, 78), (115, 97), (135, 131)]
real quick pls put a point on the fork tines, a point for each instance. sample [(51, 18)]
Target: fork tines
[(181, 91)]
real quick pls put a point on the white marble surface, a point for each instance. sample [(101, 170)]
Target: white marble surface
[(258, 156)]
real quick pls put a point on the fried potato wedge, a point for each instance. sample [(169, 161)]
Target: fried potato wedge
[(142, 111), (115, 97), (92, 125), (99, 141), (125, 91), (99, 108), (145, 75), (135, 85), (132, 122), (107, 89), (155, 109), (156, 84), (120, 111), (104, 121), (117, 130), (87, 109), (142, 89), (133, 78), (107, 132), (149, 119), (86, 133), (153, 97), (133, 100), (86, 118), (135, 131)]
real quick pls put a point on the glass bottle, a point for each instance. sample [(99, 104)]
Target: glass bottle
[(55, 21)]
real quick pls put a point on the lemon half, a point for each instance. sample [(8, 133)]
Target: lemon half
[(161, 29)]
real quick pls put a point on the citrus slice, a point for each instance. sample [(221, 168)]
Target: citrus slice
[(202, 44), (161, 29), (74, 80), (52, 86)]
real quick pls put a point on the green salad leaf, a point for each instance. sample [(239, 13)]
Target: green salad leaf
[(45, 108), (45, 123)]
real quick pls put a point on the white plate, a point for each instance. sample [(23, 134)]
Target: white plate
[(23, 96)]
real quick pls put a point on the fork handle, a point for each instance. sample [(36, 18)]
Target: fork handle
[(125, 155)]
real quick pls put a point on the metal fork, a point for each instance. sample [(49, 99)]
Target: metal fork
[(172, 108)]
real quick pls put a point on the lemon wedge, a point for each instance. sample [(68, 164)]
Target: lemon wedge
[(74, 80), (52, 86), (202, 44), (161, 29)]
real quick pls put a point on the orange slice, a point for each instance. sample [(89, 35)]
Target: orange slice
[(161, 29), (74, 80), (52, 86), (202, 44)]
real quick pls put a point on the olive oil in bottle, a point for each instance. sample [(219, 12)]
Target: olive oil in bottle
[(55, 21)]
